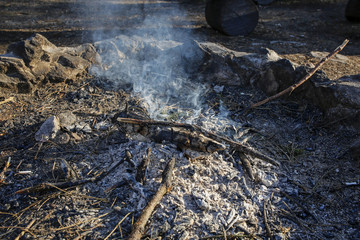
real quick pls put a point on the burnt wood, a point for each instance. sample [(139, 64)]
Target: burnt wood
[(232, 17)]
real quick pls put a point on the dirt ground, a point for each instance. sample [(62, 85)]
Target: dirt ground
[(315, 153)]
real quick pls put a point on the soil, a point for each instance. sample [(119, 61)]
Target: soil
[(314, 153)]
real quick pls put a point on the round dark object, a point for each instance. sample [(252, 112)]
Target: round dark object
[(352, 11), (232, 17), (264, 2)]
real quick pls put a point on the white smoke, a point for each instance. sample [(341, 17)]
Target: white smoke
[(152, 59)]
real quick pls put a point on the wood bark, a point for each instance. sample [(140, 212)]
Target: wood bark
[(139, 226)]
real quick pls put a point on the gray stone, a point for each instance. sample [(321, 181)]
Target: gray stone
[(32, 50), (48, 129), (67, 120), (341, 100), (135, 52), (225, 66), (276, 76)]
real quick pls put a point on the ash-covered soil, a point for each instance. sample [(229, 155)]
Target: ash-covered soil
[(314, 194)]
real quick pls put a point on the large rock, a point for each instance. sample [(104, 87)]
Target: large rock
[(129, 59), (343, 100), (229, 67), (135, 53), (266, 70), (15, 76), (339, 99), (36, 59)]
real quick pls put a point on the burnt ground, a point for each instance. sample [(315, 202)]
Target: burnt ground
[(314, 152)]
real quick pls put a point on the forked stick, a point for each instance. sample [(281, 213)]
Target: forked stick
[(304, 79)]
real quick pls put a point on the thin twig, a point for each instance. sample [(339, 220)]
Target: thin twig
[(79, 222), (232, 236), (2, 174), (44, 187), (117, 225), (10, 99), (299, 205), (267, 226), (26, 229), (139, 226), (304, 79)]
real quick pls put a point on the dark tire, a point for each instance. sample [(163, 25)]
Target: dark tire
[(264, 2), (232, 17), (352, 11)]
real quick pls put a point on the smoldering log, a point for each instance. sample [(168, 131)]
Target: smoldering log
[(186, 136), (175, 133)]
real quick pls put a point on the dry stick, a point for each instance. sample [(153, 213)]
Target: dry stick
[(235, 145), (2, 174), (299, 205), (139, 226), (267, 226), (26, 229), (304, 79), (80, 222), (43, 187), (117, 225), (10, 99)]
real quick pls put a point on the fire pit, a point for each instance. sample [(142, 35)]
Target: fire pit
[(148, 134)]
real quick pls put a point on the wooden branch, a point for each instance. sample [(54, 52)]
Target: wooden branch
[(139, 226), (211, 140), (304, 79), (26, 229)]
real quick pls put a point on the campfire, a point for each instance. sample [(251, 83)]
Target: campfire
[(145, 135)]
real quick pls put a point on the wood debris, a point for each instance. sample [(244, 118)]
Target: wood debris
[(186, 136)]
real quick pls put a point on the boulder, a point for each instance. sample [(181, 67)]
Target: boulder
[(36, 59), (266, 70), (226, 66), (128, 59), (344, 100), (339, 99), (15, 76)]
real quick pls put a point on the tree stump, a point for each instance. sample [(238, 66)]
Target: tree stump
[(232, 17)]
